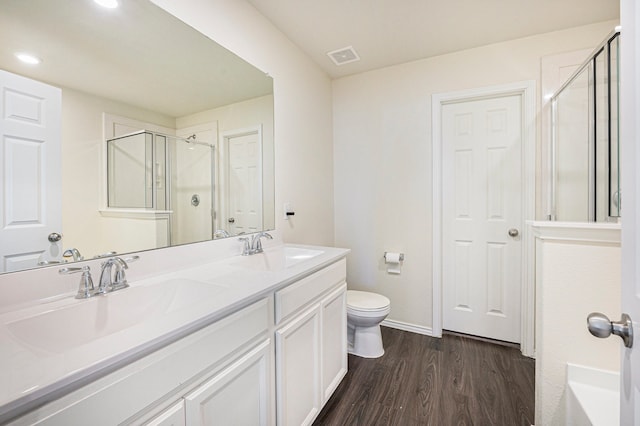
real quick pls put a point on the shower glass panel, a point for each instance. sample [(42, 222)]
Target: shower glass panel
[(585, 182), (167, 174), (572, 149), (191, 192), (129, 161)]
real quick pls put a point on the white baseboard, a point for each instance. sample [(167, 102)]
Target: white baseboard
[(427, 331)]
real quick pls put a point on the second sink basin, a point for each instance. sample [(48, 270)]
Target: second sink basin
[(278, 258), (67, 327)]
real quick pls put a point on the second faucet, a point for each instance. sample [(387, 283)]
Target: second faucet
[(253, 245)]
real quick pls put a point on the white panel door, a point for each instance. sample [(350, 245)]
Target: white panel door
[(242, 189), (482, 202), (630, 168), (30, 169)]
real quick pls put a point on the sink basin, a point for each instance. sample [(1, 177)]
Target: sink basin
[(278, 258), (67, 327)]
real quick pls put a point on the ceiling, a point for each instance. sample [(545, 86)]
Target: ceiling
[(134, 54), (389, 32)]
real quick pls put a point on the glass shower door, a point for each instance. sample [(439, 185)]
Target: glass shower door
[(585, 186)]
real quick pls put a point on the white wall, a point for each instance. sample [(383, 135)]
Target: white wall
[(83, 226), (574, 277), (382, 157), (242, 115), (302, 109)]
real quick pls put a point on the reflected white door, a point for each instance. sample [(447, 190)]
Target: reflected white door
[(630, 168), (482, 205), (30, 169), (242, 190)]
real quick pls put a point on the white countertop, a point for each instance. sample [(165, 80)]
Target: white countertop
[(33, 373)]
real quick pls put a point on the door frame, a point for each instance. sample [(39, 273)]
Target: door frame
[(526, 89)]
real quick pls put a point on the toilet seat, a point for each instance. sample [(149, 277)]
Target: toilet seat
[(365, 302), (376, 313)]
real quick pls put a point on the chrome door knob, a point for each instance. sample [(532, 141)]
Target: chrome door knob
[(513, 232), (54, 237), (600, 326)]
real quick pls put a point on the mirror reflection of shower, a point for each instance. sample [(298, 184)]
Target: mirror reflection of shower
[(169, 175), (584, 163)]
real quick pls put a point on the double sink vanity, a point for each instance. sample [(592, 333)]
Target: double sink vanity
[(256, 340)]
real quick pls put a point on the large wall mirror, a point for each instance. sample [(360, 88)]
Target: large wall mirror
[(134, 132)]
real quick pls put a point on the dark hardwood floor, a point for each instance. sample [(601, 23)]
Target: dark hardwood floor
[(422, 380)]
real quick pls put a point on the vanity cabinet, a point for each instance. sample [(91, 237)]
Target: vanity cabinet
[(195, 377), (275, 361), (311, 344)]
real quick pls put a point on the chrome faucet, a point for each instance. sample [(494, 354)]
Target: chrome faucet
[(74, 253), (256, 243), (253, 245), (221, 233), (108, 282)]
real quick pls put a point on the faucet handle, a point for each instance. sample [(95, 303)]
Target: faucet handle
[(246, 246), (86, 288), (120, 280), (107, 254)]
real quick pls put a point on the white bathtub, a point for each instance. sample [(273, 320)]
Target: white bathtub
[(593, 396)]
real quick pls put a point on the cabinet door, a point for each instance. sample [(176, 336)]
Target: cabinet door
[(298, 369), (334, 340), (238, 395)]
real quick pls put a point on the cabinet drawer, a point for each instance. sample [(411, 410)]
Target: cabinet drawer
[(290, 299)]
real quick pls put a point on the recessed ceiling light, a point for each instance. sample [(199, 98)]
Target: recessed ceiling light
[(110, 4), (344, 55), (28, 58)]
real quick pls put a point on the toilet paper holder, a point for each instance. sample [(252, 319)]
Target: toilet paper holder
[(401, 256)]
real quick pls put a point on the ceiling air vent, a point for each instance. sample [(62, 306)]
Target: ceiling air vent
[(344, 56)]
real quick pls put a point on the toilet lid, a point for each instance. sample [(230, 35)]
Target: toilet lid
[(365, 301)]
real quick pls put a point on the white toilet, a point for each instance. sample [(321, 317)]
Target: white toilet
[(365, 312)]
